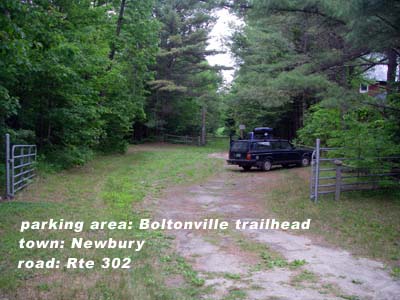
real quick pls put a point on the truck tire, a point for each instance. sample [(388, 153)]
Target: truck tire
[(246, 168), (266, 165), (305, 162)]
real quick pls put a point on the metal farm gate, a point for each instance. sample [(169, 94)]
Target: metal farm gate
[(332, 173), (20, 166)]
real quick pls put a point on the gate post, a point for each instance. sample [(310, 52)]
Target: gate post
[(8, 182), (317, 158), (312, 176)]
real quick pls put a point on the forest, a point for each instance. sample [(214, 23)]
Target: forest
[(81, 77)]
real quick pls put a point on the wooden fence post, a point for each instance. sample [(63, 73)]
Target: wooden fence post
[(338, 183)]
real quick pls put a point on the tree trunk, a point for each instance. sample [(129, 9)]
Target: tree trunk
[(119, 26), (203, 125), (391, 71)]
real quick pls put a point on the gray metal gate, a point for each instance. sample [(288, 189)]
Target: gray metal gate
[(333, 174), (321, 165), (20, 166)]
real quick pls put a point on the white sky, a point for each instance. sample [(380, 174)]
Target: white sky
[(218, 40), (378, 72)]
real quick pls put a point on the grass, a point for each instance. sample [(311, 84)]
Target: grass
[(273, 261), (235, 294), (107, 189), (269, 258), (187, 271), (396, 272), (364, 222), (305, 276), (232, 276), (349, 297)]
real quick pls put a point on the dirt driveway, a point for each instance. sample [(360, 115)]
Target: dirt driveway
[(264, 264)]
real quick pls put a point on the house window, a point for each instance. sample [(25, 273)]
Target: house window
[(363, 88)]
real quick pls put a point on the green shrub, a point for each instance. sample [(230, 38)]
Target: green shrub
[(63, 158)]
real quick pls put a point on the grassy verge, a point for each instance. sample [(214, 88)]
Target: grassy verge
[(105, 189), (367, 223)]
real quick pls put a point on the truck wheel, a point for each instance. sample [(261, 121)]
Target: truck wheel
[(305, 162), (246, 168), (266, 165)]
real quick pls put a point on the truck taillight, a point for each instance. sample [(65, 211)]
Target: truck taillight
[(248, 156)]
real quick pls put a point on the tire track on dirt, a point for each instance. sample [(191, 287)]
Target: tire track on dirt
[(227, 267)]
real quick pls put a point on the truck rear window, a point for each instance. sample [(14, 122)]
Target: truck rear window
[(240, 147), (262, 146)]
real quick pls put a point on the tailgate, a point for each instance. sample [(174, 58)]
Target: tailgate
[(239, 150)]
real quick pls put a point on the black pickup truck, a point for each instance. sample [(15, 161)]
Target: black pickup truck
[(263, 154)]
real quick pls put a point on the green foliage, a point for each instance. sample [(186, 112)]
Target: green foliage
[(396, 272), (58, 81), (377, 19), (67, 157), (363, 132), (301, 66), (61, 88), (322, 123)]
